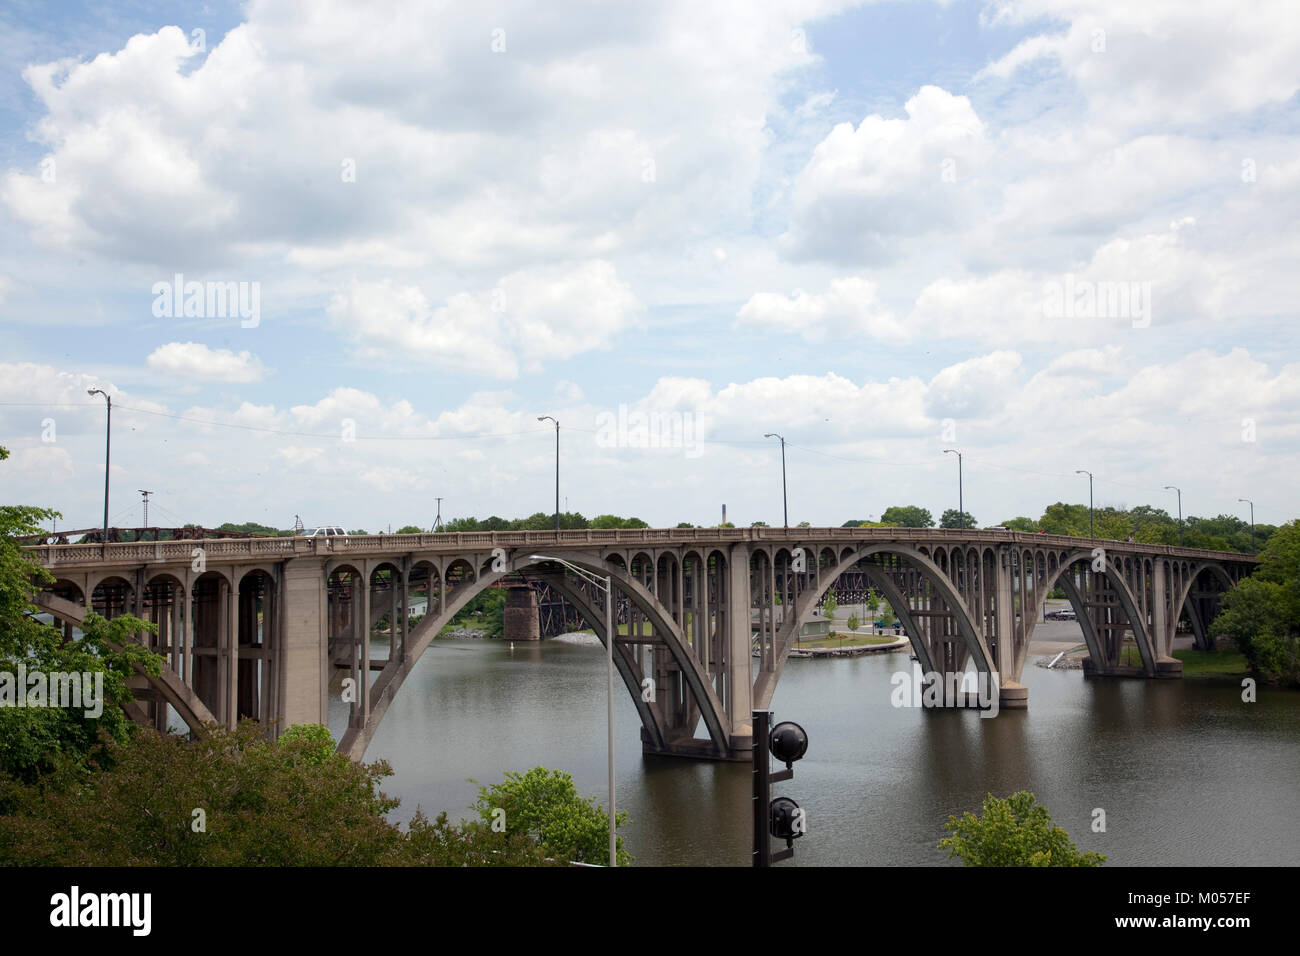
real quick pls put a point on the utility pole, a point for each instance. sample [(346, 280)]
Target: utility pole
[(1180, 512), (108, 441), (437, 522), (542, 418), (1080, 471), (1252, 520), (785, 506), (961, 506)]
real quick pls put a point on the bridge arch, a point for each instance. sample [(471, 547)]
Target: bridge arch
[(1183, 600), (807, 601), (626, 577), (1116, 577)]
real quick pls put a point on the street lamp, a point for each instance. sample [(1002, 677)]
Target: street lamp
[(785, 508), (1180, 512), (542, 418), (108, 439), (961, 507), (1252, 519), (608, 584), (1080, 471)]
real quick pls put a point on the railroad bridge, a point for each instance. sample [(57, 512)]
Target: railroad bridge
[(269, 628)]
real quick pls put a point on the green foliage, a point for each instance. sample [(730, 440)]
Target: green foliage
[(829, 603), (1016, 831), (614, 521), (854, 623), (1262, 613), (908, 516), (409, 529), (486, 609), (952, 518), (1025, 525), (545, 805), (40, 740), (291, 803), (685, 524), (253, 527)]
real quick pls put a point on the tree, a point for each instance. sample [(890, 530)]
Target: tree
[(908, 516), (292, 802), (1027, 525), (409, 529), (952, 518), (685, 524), (1262, 613), (1016, 831), (38, 740), (854, 623), (759, 524), (873, 601), (829, 604), (804, 524), (545, 805)]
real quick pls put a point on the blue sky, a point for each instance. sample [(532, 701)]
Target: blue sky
[(841, 222)]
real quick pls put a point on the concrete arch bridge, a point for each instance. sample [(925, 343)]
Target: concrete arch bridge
[(258, 627)]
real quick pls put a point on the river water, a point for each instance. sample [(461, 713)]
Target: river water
[(1185, 771)]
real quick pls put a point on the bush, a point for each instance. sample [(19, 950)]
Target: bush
[(1016, 831)]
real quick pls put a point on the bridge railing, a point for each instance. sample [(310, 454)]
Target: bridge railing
[(278, 548)]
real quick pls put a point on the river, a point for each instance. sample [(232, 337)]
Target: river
[(1185, 771)]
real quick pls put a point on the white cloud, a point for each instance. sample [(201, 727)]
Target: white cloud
[(850, 306), (1162, 60), (195, 361), (529, 317), (865, 188)]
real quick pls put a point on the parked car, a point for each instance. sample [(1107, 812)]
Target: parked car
[(328, 531)]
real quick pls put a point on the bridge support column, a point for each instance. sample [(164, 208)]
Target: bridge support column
[(738, 639), (521, 623), (304, 644), (1012, 695)]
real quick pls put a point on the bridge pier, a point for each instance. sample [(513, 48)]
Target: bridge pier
[(521, 615)]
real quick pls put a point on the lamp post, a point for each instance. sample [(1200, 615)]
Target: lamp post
[(542, 418), (785, 508), (1252, 519), (1080, 471), (108, 440), (961, 507), (1180, 512), (608, 584)]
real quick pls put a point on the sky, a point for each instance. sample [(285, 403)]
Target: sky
[(334, 260)]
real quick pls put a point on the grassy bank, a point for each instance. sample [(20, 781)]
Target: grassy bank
[(1213, 663)]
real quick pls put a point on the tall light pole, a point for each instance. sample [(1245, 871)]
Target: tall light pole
[(1080, 471), (542, 418), (961, 507), (108, 440), (785, 508), (608, 584), (1180, 512), (145, 495), (1252, 519)]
